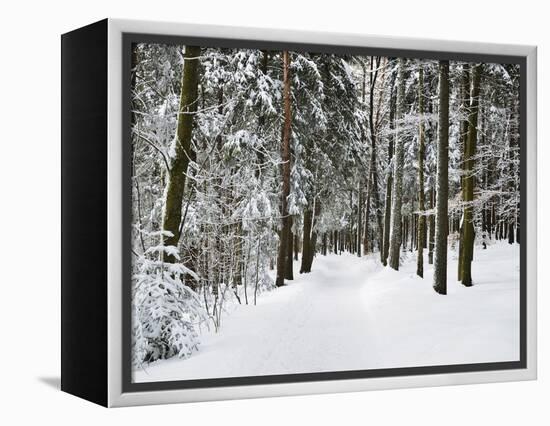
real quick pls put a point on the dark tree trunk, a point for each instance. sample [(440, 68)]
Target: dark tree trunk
[(313, 239), (289, 275), (397, 192), (517, 228), (442, 216), (261, 118), (296, 246), (183, 151), (372, 177), (306, 242), (469, 180), (414, 236), (421, 197), (511, 238), (285, 158), (389, 180), (313, 249), (490, 221), (377, 209), (359, 221), (465, 105), (431, 237), (239, 262)]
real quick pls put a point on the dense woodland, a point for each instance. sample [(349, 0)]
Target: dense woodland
[(247, 163)]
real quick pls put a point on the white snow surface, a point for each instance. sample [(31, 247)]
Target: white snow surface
[(351, 313)]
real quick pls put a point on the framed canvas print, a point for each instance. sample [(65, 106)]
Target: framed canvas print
[(251, 212)]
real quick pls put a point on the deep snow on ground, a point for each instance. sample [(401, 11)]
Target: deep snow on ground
[(351, 313)]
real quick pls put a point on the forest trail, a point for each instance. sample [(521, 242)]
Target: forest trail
[(350, 313)]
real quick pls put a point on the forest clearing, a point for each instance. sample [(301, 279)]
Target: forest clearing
[(298, 212)]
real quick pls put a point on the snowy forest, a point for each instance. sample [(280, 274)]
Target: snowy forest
[(296, 212)]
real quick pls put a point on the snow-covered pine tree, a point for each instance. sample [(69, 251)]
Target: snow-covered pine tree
[(166, 312)]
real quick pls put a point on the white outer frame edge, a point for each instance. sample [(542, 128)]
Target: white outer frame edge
[(116, 397)]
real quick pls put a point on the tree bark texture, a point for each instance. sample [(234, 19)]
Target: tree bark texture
[(469, 180), (397, 192), (442, 215), (183, 150), (285, 159), (421, 239)]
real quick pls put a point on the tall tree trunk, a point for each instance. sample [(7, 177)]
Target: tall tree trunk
[(285, 159), (378, 212), (421, 239), (465, 105), (289, 275), (405, 233), (360, 224), (359, 217), (431, 235), (221, 193), (262, 117), (397, 192), (414, 233), (376, 199), (306, 242), (366, 248), (351, 234), (239, 261), (372, 179), (442, 215), (469, 180), (389, 181), (296, 246), (387, 220), (313, 235), (183, 151), (313, 249)]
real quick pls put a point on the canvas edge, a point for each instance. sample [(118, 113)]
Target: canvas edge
[(531, 175), (116, 397)]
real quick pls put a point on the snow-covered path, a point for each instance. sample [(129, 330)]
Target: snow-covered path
[(351, 313)]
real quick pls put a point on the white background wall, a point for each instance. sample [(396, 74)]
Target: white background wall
[(30, 200)]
